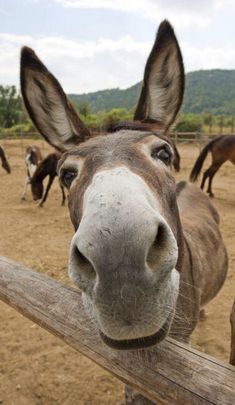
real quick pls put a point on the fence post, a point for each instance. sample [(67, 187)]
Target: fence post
[(198, 140), (176, 138)]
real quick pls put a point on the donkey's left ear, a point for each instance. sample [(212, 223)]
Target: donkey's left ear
[(47, 104), (163, 85)]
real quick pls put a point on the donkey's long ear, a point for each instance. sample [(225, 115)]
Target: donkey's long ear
[(163, 85), (47, 104)]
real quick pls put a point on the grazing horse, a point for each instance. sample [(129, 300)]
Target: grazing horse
[(5, 163), (222, 148), (33, 157), (145, 255), (47, 167), (232, 322)]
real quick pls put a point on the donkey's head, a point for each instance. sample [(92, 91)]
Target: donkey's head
[(125, 254), (36, 188)]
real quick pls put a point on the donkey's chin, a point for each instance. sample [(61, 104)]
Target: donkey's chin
[(142, 331), (142, 342)]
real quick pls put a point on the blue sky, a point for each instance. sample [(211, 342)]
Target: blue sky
[(96, 44)]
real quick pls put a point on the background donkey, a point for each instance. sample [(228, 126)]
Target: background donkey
[(46, 168), (33, 157), (147, 253), (5, 163)]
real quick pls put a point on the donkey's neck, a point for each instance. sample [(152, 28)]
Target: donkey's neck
[(188, 302), (39, 176)]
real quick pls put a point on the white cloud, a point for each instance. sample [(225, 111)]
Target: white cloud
[(208, 57), (59, 46), (84, 66), (81, 66), (184, 13)]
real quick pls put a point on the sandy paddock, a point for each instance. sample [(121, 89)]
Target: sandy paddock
[(37, 368)]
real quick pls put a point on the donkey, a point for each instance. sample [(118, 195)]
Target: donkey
[(5, 163), (147, 253), (33, 157), (222, 148), (46, 167)]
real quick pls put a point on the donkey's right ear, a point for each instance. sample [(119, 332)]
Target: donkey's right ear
[(163, 85), (48, 105)]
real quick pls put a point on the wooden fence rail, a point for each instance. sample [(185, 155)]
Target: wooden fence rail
[(196, 138), (200, 139), (180, 137), (171, 373)]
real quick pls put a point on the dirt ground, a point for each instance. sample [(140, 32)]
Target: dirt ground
[(37, 368)]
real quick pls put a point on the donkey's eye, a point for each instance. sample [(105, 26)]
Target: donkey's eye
[(68, 176), (164, 154)]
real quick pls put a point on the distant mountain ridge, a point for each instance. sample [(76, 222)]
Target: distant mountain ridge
[(206, 91)]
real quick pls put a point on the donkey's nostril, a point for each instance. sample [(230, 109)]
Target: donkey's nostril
[(160, 238), (156, 250), (81, 263)]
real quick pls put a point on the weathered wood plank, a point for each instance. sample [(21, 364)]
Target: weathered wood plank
[(171, 373)]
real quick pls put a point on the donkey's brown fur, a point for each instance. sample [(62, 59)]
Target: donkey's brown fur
[(5, 163), (147, 253), (222, 149)]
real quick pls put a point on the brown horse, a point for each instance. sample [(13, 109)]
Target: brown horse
[(222, 148), (5, 163), (146, 257), (47, 167)]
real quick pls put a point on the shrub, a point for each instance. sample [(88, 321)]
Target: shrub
[(189, 123)]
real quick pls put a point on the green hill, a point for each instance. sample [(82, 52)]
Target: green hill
[(106, 100), (206, 91)]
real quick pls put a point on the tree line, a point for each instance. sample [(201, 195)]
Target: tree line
[(13, 118)]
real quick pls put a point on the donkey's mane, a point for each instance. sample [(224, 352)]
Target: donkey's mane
[(131, 125), (153, 127)]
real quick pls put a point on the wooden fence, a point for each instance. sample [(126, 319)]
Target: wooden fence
[(200, 139), (196, 138), (171, 373), (179, 137)]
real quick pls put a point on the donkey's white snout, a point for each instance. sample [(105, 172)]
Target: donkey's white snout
[(121, 235), (122, 253)]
